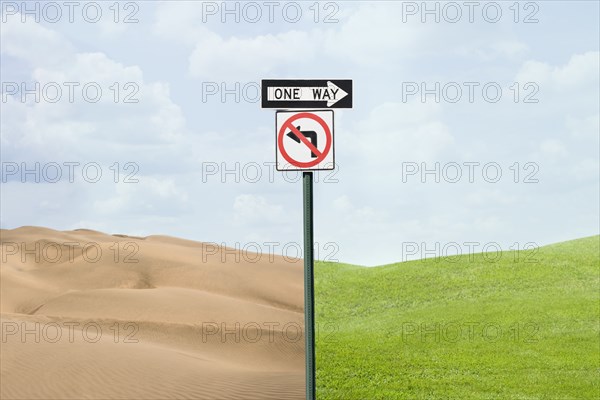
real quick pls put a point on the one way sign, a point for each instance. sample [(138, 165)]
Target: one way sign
[(295, 93)]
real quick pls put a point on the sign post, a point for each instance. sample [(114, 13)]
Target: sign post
[(304, 141), (309, 287)]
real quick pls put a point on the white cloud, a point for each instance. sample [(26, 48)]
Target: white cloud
[(581, 71), (586, 170), (179, 21), (584, 128), (34, 43), (73, 124), (374, 35), (553, 148), (395, 132), (494, 196), (147, 195), (357, 216), (249, 58), (368, 35), (252, 209)]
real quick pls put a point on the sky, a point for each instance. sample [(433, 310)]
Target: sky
[(474, 127)]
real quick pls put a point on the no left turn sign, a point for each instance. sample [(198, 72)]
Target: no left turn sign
[(304, 140)]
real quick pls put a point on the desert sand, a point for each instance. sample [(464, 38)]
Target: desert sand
[(87, 315)]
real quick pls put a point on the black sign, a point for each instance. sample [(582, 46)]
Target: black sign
[(306, 93)]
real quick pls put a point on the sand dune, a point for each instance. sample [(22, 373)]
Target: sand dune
[(86, 315)]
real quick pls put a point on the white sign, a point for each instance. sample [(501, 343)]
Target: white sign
[(304, 140)]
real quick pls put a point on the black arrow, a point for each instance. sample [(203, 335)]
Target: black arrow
[(312, 135)]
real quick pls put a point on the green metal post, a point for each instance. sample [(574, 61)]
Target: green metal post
[(309, 299)]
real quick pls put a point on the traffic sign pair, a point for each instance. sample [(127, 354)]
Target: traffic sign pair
[(305, 139)]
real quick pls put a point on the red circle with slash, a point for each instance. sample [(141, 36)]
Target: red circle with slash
[(287, 125)]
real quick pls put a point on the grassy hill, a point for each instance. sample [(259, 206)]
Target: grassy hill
[(525, 326)]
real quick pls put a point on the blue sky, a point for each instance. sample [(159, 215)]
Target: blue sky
[(541, 132)]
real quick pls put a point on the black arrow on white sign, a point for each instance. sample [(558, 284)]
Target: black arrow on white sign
[(311, 135)]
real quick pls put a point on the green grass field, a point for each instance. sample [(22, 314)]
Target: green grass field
[(526, 326)]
